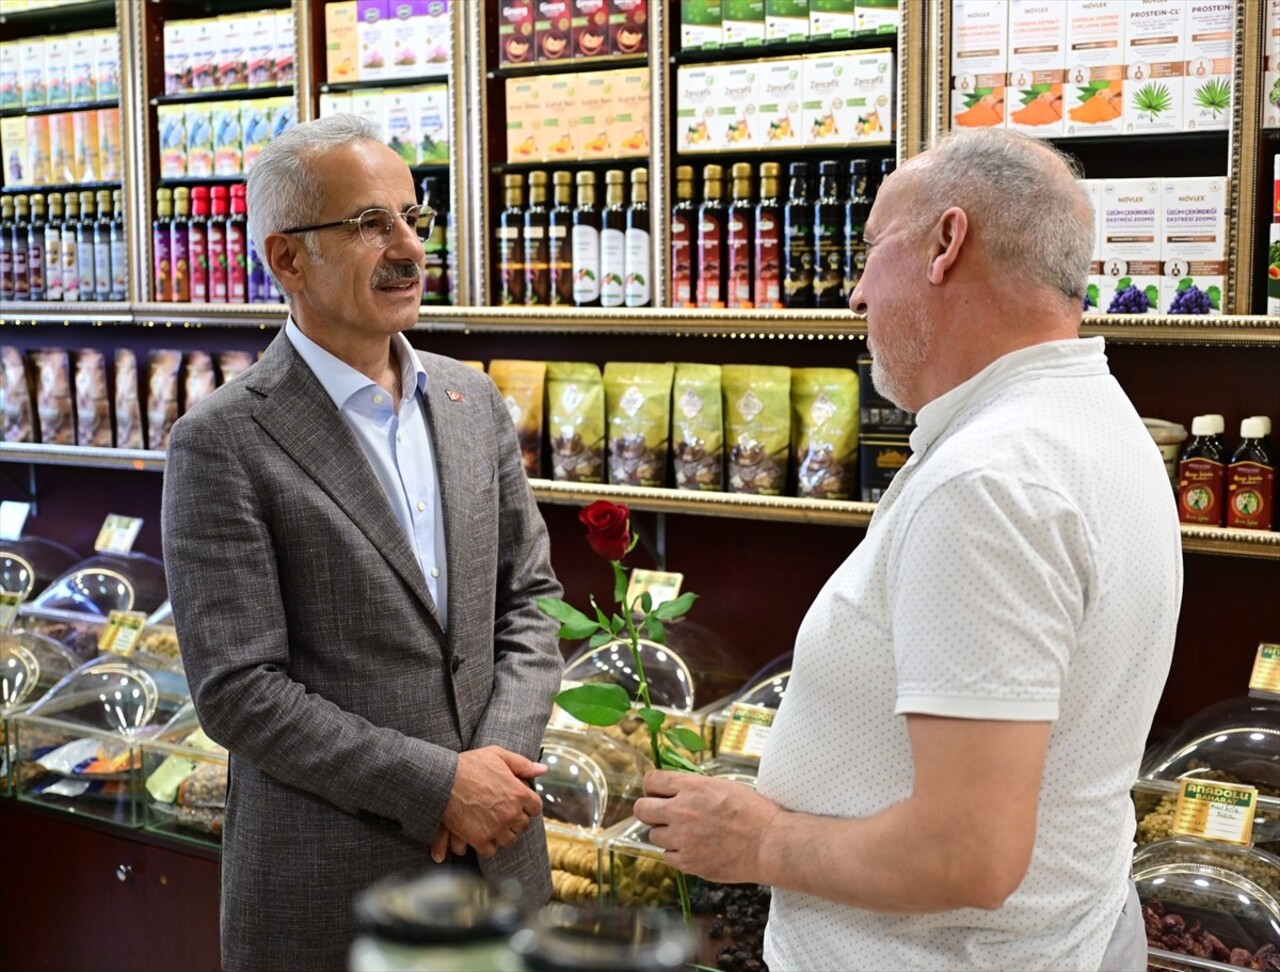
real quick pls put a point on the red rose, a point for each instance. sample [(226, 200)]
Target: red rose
[(608, 528)]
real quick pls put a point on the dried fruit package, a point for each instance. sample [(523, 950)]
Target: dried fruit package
[(697, 427), (757, 427), (162, 396), (824, 432), (638, 408), (93, 406), (128, 412), (53, 396), (575, 418), (232, 363), (16, 403), (520, 384), (198, 379)]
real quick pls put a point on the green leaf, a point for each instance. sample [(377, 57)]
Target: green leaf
[(1185, 283), (573, 623), (596, 704), (646, 602), (1153, 295), (599, 638), (652, 718), (618, 625), (685, 739), (601, 617), (673, 760), (1124, 282), (654, 629), (619, 582), (677, 608), (1215, 295)]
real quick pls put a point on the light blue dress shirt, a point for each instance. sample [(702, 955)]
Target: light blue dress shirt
[(397, 444)]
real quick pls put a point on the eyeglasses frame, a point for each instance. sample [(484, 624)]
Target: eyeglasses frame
[(423, 210)]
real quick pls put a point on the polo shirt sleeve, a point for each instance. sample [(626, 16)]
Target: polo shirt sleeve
[(988, 583)]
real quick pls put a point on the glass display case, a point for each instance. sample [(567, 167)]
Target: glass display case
[(1208, 905), (107, 582), (751, 709), (1235, 741), (31, 563), (184, 781), (729, 918), (592, 782), (29, 666), (77, 747)]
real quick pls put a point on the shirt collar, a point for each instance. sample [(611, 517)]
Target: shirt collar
[(1078, 356), (341, 381)]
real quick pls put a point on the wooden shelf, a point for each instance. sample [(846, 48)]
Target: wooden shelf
[(1217, 541)]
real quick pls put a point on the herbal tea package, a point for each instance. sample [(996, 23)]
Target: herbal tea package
[(16, 400), (697, 427), (53, 396), (757, 427), (162, 396), (824, 432), (128, 413), (93, 406), (198, 379), (520, 383), (575, 419), (232, 363), (638, 410)]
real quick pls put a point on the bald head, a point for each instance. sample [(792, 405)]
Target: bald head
[(1025, 209)]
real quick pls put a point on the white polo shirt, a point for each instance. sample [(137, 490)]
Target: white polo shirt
[(1024, 565)]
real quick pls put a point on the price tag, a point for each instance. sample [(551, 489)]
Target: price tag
[(662, 585), (120, 636), (118, 533), (13, 517), (1266, 670), (1218, 811), (747, 730), (9, 603)]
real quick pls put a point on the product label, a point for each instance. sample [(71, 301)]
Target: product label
[(510, 269), (163, 281), (117, 533), (199, 263), (85, 256), (747, 730), (1200, 491), (120, 636), (1250, 488), (180, 259), (217, 263), (613, 267), (70, 270), (768, 277), (237, 264), (799, 287), (828, 277), (102, 267), (660, 585), (586, 264), (35, 266), (1266, 670), (52, 269), (739, 261), (638, 271), (1216, 811), (681, 263), (710, 262)]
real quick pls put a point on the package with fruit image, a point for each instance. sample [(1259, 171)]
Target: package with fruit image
[(778, 100), (1271, 62), (595, 114), (1130, 227), (979, 62), (437, 32), (341, 46), (868, 105), (1193, 245), (560, 112), (431, 102), (405, 38), (632, 112), (589, 28), (743, 24), (734, 128), (524, 119), (629, 26), (553, 22), (515, 31), (1093, 95), (1206, 100), (697, 95), (401, 130), (1037, 65), (373, 39), (1153, 66)]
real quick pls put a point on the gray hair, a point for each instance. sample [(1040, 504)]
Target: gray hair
[(1032, 216), (283, 191)]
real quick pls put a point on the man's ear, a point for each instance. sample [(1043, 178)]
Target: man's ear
[(284, 257), (948, 236)]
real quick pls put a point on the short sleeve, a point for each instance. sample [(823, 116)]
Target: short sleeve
[(988, 585)]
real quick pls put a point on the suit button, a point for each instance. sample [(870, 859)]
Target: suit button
[(454, 664)]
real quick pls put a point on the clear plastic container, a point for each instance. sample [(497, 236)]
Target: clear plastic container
[(564, 938), (107, 582), (183, 784), (592, 782), (29, 666), (1206, 904), (31, 563), (764, 694)]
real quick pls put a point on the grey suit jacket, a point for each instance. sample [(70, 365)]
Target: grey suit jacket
[(316, 656)]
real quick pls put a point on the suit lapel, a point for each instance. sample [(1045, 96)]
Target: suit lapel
[(301, 417)]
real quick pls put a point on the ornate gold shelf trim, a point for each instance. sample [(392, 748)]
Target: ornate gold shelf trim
[(1224, 541)]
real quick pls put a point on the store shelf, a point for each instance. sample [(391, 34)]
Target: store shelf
[(62, 18), (59, 109), (1259, 544), (219, 94), (441, 73), (60, 187), (91, 457), (1194, 329), (570, 65), (866, 42), (165, 314), (52, 313)]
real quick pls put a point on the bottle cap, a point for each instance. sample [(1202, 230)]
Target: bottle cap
[(827, 167), (562, 178), (615, 177), (770, 170), (858, 166), (586, 178), (537, 178), (799, 169), (640, 175), (741, 170), (684, 173), (1219, 423), (1252, 428), (218, 192), (513, 181), (1202, 425), (1266, 423), (712, 172)]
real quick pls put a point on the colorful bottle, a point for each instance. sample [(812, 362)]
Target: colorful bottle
[(119, 249), (70, 248), (199, 235), (86, 254), (257, 276), (856, 211), (36, 264), (1251, 480), (102, 247), (613, 240), (180, 245), (560, 236), (510, 246), (585, 241), (767, 288), (1201, 475), (739, 239), (6, 248), (828, 239), (435, 280), (712, 268), (218, 245), (797, 222), (639, 246), (53, 249), (161, 243), (21, 248), (238, 248), (537, 250), (683, 240)]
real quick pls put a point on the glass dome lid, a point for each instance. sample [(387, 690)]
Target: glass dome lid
[(28, 662), (32, 561), (592, 781), (767, 693), (107, 693), (106, 583), (1236, 741), (670, 680)]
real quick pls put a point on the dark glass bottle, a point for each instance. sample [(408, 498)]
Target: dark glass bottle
[(6, 248), (712, 262), (828, 239), (180, 255), (684, 218), (36, 265), (886, 169), (797, 220), (585, 243), (560, 238), (219, 211), (119, 249), (856, 211), (537, 249), (70, 248), (767, 288), (739, 239), (238, 248), (510, 248), (639, 247), (53, 249), (21, 248), (102, 247), (1251, 480), (199, 229), (161, 246), (435, 278), (613, 239), (1202, 474), (86, 254)]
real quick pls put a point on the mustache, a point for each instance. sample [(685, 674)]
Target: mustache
[(395, 273)]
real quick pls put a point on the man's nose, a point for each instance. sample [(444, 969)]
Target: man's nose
[(405, 243), (856, 302)]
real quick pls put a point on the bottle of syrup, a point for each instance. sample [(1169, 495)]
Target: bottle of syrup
[(585, 241), (560, 237), (435, 277), (797, 221), (856, 211), (510, 248), (639, 247), (613, 240), (70, 248), (161, 245), (712, 265), (767, 288), (36, 265), (86, 253), (739, 239), (1251, 480), (828, 236), (6, 248), (180, 244), (1201, 475), (199, 237), (21, 248), (537, 244), (102, 247), (218, 244), (53, 249), (238, 247), (683, 241), (119, 249)]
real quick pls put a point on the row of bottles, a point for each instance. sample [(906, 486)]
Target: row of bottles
[(436, 285), (766, 252), (575, 255), (203, 253), (1217, 487), (61, 247)]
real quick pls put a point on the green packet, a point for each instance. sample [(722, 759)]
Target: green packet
[(757, 427), (697, 427), (638, 408), (824, 432), (575, 418)]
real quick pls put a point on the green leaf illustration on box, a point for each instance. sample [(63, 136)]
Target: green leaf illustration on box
[(1153, 100), (1214, 95)]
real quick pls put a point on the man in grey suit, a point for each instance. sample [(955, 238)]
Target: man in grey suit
[(353, 553)]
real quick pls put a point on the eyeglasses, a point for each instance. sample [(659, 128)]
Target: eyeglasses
[(377, 225)]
